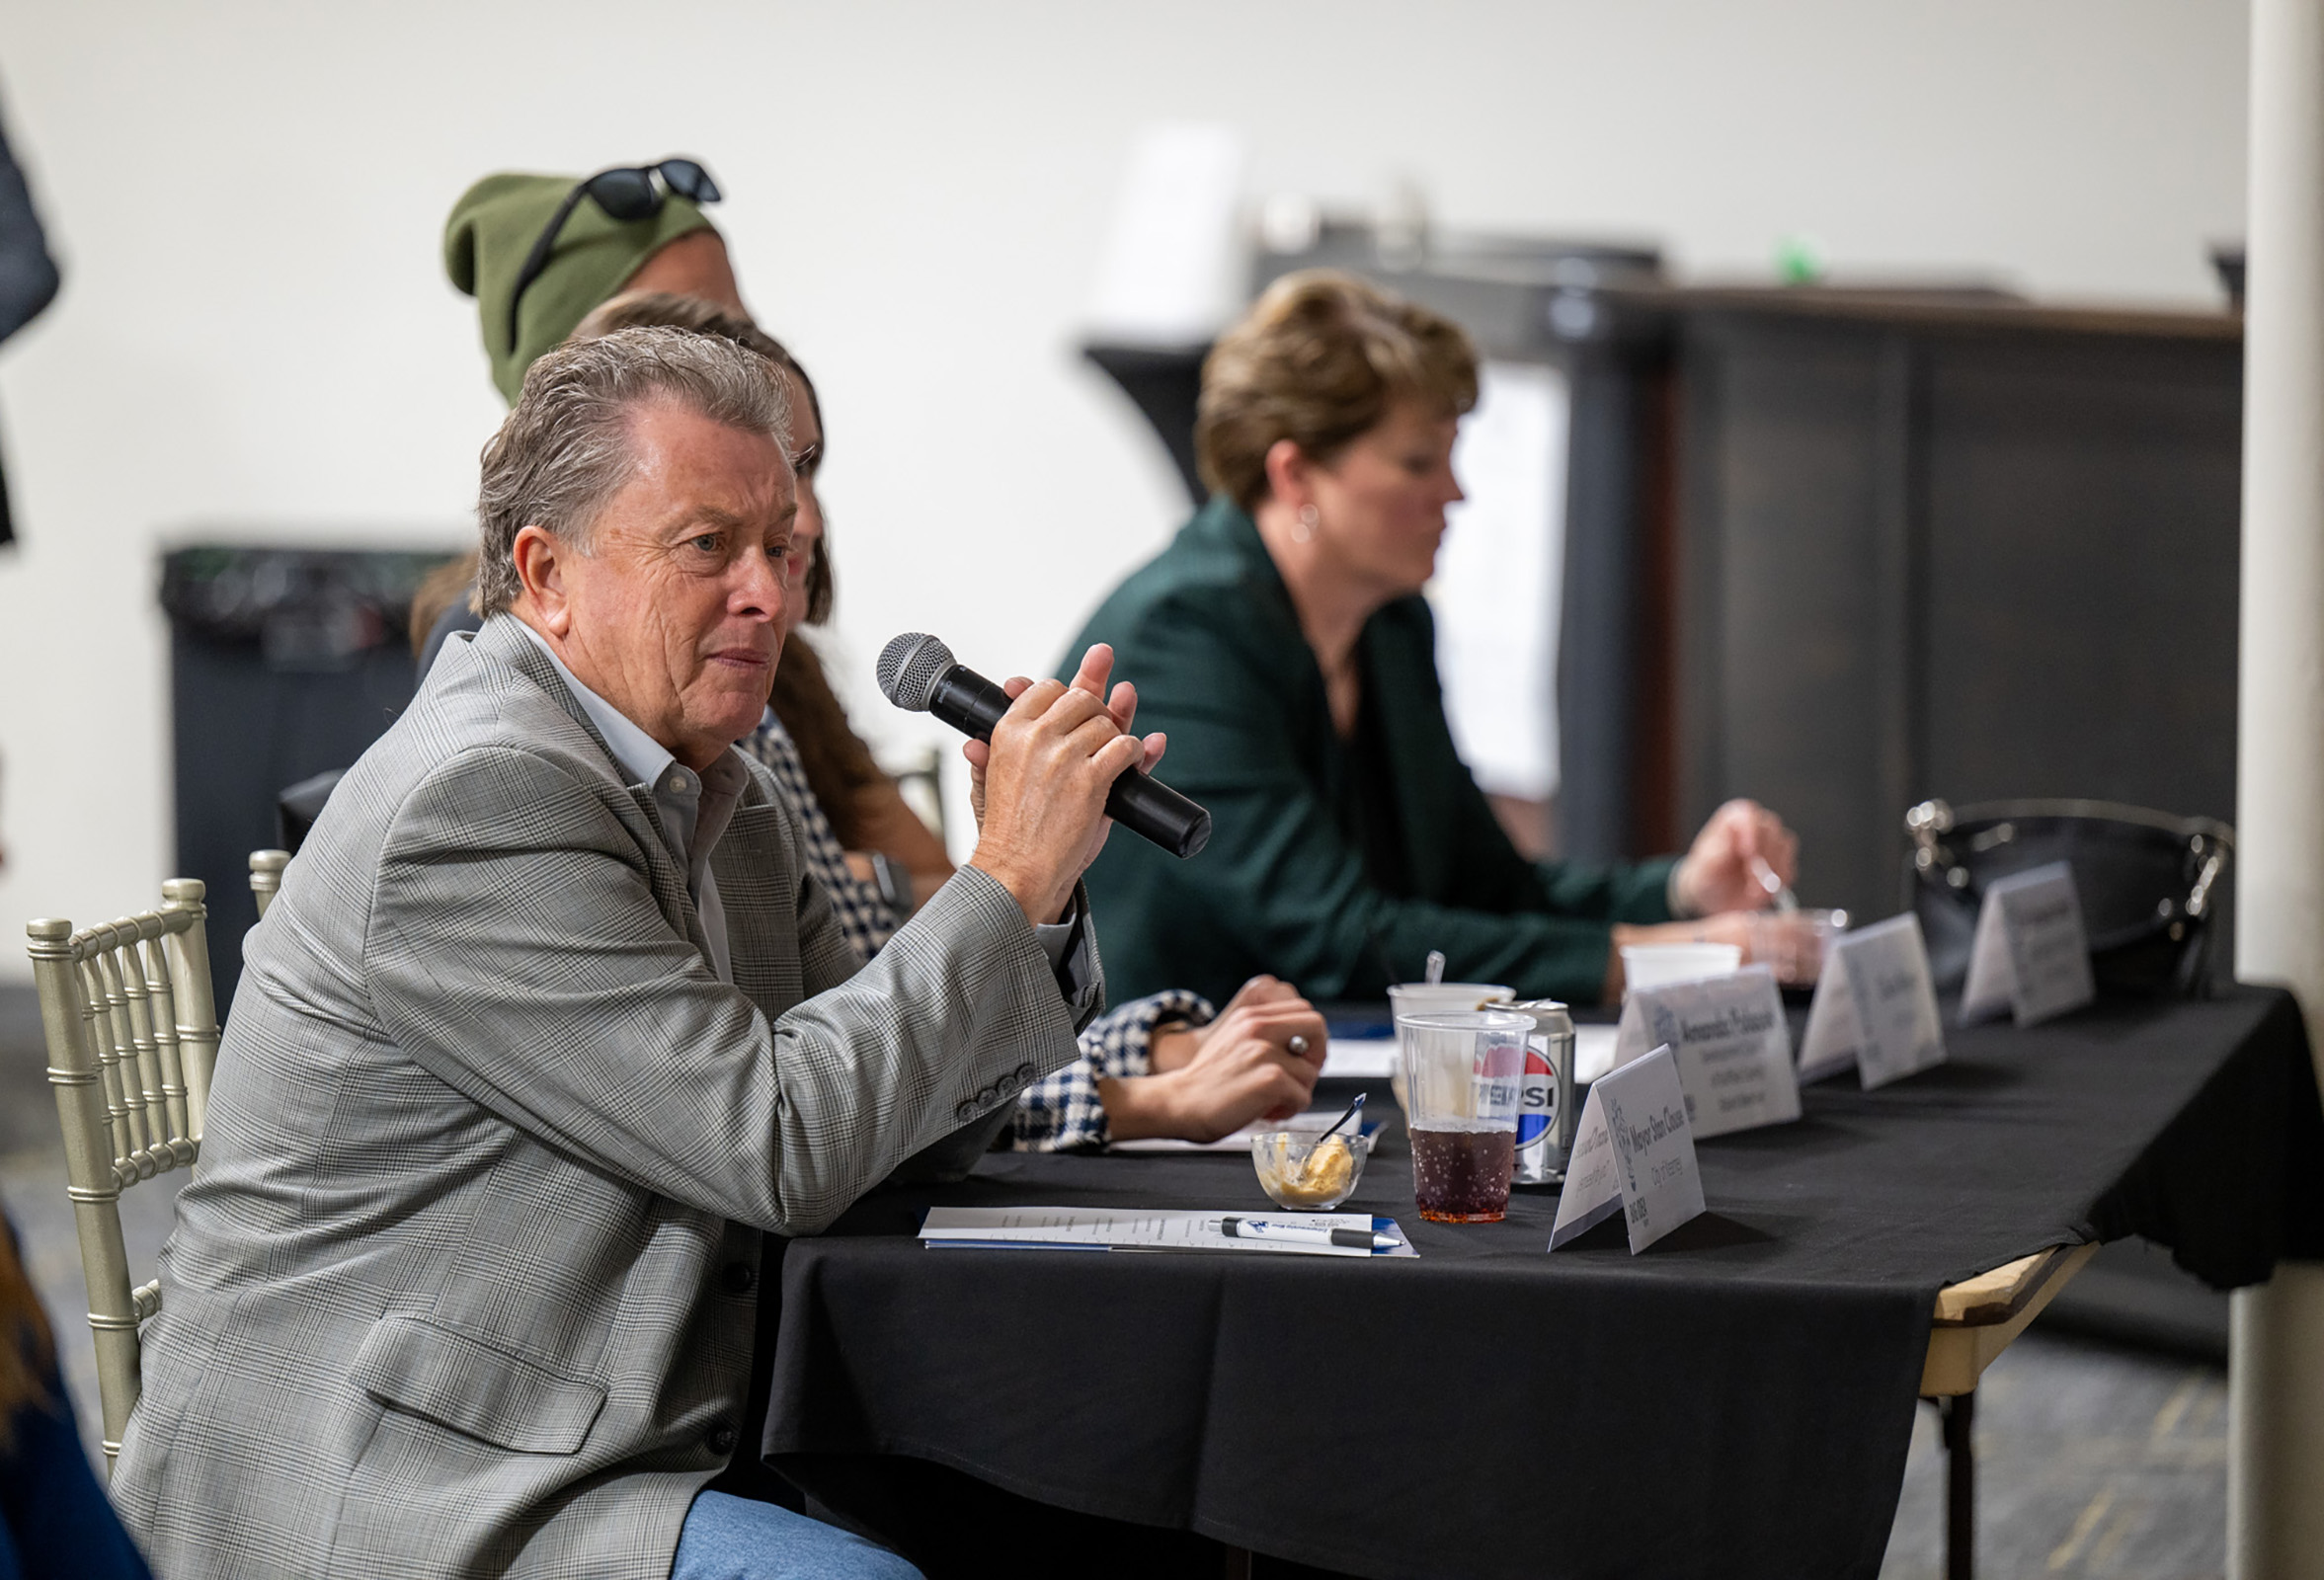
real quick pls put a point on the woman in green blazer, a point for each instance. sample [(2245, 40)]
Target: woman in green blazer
[(1281, 643)]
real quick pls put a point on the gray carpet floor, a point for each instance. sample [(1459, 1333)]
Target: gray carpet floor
[(2093, 1461)]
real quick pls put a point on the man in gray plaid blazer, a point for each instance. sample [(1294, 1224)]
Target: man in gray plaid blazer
[(548, 1024)]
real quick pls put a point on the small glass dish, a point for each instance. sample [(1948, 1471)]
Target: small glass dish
[(1295, 1174)]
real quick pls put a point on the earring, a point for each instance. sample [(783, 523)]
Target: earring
[(1305, 531)]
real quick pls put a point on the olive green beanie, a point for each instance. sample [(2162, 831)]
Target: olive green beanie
[(492, 230)]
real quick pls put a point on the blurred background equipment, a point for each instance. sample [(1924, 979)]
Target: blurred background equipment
[(27, 276), (284, 663)]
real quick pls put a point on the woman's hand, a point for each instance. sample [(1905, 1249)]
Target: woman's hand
[(1788, 941), (1221, 1077), (1172, 1046), (1721, 870)]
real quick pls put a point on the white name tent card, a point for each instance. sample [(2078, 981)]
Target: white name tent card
[(1635, 1154), (1875, 1006), (2031, 955), (1733, 1045)]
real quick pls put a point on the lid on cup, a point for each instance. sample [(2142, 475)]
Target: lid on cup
[(1409, 997)]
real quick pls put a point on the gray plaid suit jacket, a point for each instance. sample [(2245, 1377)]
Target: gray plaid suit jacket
[(466, 1281)]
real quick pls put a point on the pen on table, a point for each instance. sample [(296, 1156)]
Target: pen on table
[(1297, 1234), (1777, 890)]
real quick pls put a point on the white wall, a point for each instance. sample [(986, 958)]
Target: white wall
[(256, 339)]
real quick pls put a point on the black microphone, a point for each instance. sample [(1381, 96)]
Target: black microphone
[(919, 673)]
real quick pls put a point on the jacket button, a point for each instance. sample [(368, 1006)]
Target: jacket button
[(1024, 1076), (739, 1277), (721, 1439), (966, 1111)]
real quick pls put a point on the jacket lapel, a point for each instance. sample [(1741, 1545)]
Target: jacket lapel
[(758, 887), (1411, 710), (1223, 523), (1410, 720), (501, 642)]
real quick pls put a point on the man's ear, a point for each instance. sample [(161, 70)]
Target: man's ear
[(541, 559)]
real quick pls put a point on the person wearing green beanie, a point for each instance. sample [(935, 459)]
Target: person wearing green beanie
[(592, 257), (496, 224)]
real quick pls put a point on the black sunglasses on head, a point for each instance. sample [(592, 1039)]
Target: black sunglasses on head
[(625, 193)]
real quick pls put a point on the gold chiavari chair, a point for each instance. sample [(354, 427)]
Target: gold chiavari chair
[(133, 1036), (266, 876)]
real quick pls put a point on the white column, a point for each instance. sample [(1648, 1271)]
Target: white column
[(2275, 1462)]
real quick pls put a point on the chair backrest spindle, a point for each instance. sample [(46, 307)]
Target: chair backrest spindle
[(123, 1101), (125, 969), (153, 958), (133, 1036), (187, 946), (266, 877)]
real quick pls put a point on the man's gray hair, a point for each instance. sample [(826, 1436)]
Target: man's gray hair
[(564, 450)]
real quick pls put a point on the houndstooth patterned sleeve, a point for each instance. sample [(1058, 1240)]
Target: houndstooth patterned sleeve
[(862, 914), (1064, 1112)]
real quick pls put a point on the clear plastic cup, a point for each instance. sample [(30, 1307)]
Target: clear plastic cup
[(1657, 965), (1792, 942), (1423, 997), (1464, 1069)]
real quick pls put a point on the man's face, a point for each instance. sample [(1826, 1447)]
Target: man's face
[(676, 614)]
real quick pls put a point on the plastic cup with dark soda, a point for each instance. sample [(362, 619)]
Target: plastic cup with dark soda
[(1461, 1071)]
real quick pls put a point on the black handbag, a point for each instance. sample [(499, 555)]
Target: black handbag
[(2148, 883)]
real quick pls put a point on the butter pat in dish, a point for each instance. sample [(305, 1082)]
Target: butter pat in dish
[(1295, 1172)]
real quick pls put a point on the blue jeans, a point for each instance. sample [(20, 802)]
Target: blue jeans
[(727, 1538)]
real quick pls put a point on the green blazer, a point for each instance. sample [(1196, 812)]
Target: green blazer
[(1207, 632)]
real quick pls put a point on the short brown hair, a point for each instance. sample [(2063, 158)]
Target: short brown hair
[(1319, 361), (564, 448), (638, 308)]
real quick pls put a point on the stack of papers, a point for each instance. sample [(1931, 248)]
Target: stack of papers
[(1080, 1229)]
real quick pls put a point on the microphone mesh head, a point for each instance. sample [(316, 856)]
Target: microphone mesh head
[(909, 667)]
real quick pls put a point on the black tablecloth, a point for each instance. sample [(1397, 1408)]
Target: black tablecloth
[(1736, 1401)]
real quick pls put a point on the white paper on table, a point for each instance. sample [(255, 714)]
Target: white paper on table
[(1373, 1057), (1731, 1043), (1084, 1229), (1875, 1006), (2031, 954), (1359, 1058), (1314, 1121), (1593, 1051), (1633, 1153)]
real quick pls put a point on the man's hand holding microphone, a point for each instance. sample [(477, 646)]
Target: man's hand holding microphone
[(1039, 787), (1047, 748)]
